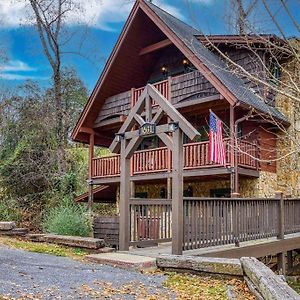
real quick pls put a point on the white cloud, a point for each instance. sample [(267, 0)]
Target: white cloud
[(18, 70), (16, 66), (8, 76), (96, 13)]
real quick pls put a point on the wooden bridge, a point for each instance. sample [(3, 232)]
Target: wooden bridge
[(220, 227)]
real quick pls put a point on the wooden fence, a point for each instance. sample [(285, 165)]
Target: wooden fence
[(150, 221), (212, 221)]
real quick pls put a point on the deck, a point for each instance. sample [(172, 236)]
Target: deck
[(257, 248), (158, 160)]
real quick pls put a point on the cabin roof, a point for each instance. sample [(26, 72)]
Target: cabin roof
[(188, 38), (234, 83)]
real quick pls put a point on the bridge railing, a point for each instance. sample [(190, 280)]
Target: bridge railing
[(150, 221), (212, 221)]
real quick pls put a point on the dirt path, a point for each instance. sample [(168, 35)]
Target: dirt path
[(29, 275)]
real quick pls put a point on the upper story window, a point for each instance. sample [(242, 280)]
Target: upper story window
[(275, 71)]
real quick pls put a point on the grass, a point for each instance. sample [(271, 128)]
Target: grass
[(294, 285), (75, 253), (194, 287)]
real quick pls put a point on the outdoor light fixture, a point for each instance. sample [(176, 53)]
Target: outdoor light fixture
[(119, 137), (164, 70), (173, 126), (186, 63)]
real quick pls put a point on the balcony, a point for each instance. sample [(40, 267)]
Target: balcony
[(178, 90), (158, 160)]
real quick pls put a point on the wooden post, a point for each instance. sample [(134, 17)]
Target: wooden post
[(280, 256), (289, 260), (132, 189), (169, 188), (91, 156), (279, 196), (232, 151), (177, 193), (125, 194)]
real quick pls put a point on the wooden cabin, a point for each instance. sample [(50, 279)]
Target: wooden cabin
[(185, 68)]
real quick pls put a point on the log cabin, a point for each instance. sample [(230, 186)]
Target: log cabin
[(159, 53)]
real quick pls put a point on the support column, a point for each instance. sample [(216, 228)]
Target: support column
[(289, 260), (177, 193), (124, 229), (232, 151), (281, 261), (169, 188), (132, 189), (91, 156)]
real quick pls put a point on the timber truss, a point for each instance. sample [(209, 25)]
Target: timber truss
[(128, 140)]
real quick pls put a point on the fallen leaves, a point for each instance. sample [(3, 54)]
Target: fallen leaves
[(193, 287)]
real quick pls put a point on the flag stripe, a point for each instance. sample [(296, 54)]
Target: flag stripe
[(216, 142)]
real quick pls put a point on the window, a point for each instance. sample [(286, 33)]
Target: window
[(149, 143), (275, 72), (220, 193)]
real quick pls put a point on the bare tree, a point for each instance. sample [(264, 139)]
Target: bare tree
[(50, 17), (274, 75)]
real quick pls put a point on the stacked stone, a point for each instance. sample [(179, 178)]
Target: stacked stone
[(10, 228)]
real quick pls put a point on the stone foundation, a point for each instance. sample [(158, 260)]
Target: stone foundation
[(263, 187)]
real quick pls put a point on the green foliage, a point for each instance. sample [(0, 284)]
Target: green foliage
[(68, 218), (31, 157), (44, 248), (9, 210)]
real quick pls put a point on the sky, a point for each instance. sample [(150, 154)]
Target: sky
[(100, 22)]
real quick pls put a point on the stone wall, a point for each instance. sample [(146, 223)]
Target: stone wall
[(264, 186), (288, 143)]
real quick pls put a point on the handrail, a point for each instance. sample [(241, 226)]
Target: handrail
[(158, 159)]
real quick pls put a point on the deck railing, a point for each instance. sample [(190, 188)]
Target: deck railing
[(196, 155), (162, 86), (214, 221), (150, 221), (211, 221)]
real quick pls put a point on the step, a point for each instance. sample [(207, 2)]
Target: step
[(4, 226), (74, 241), (124, 261)]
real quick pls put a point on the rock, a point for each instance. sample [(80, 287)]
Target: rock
[(201, 264), (15, 232), (7, 226), (75, 241), (124, 261), (269, 285), (36, 237)]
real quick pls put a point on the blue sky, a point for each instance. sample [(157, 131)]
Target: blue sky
[(103, 20)]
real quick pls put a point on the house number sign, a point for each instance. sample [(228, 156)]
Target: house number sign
[(147, 129)]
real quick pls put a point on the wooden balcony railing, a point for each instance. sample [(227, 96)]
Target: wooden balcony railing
[(196, 155), (162, 86)]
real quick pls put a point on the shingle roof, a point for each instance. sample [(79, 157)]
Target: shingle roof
[(218, 67)]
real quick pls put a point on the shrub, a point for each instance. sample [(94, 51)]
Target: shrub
[(68, 219), (9, 210)]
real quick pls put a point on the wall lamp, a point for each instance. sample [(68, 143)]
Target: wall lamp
[(119, 137), (185, 63), (164, 70), (173, 126)]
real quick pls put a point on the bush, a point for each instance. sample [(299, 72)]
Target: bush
[(68, 219), (9, 210)]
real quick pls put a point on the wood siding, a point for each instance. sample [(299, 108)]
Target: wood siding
[(107, 228), (192, 85)]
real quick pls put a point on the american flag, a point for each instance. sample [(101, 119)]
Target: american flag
[(216, 142)]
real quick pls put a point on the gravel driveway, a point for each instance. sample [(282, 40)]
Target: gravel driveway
[(41, 276)]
